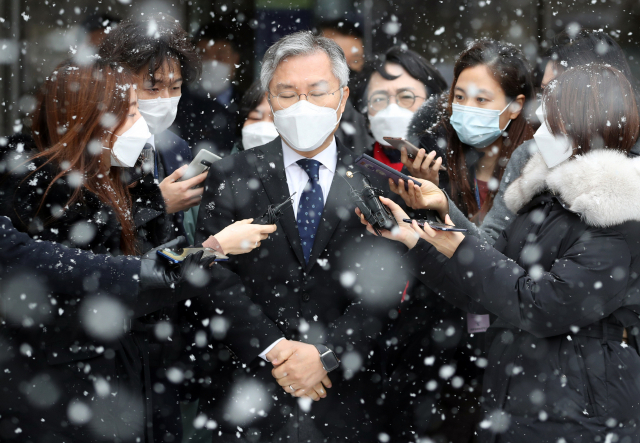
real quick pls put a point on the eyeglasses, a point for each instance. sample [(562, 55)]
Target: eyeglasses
[(404, 99), (317, 97)]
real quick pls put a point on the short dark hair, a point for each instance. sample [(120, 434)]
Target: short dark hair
[(412, 62), (136, 45), (342, 26), (249, 102)]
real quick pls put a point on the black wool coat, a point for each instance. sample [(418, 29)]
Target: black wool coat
[(563, 284), (69, 344)]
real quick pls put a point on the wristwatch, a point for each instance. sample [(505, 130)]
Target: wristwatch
[(329, 359)]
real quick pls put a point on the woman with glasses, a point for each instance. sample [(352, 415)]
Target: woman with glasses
[(395, 86)]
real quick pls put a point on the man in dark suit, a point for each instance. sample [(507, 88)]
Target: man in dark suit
[(327, 287)]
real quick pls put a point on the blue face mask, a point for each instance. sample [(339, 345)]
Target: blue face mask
[(477, 127)]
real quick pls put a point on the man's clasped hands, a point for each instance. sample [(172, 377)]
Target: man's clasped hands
[(298, 370)]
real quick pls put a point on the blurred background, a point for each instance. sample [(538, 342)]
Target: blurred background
[(35, 35)]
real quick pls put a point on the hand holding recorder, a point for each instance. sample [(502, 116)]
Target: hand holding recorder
[(445, 237), (157, 272), (240, 237)]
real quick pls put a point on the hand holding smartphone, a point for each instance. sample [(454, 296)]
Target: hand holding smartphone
[(203, 161), (412, 151), (370, 164)]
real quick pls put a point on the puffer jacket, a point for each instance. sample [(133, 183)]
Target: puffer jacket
[(563, 285)]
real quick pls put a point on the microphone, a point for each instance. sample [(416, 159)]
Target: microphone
[(273, 213), (375, 213)]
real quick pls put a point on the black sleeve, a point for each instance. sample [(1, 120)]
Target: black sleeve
[(67, 272), (251, 331), (577, 291)]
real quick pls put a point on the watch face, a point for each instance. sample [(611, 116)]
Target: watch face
[(330, 361)]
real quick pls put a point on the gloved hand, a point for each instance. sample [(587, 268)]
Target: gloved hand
[(158, 273)]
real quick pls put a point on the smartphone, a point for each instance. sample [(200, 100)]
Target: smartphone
[(178, 255), (200, 164), (399, 143), (371, 164), (435, 225)]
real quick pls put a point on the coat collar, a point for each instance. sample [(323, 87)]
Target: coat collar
[(271, 170), (602, 186)]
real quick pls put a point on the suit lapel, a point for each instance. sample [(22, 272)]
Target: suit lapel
[(338, 206), (270, 169)]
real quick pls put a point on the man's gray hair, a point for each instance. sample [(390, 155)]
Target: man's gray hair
[(303, 43)]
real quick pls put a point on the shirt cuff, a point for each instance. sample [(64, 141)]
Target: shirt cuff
[(263, 354), (215, 244)]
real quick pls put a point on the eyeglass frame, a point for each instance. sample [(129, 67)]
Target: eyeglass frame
[(395, 96), (341, 89)]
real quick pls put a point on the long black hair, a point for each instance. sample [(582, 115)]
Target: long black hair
[(511, 70)]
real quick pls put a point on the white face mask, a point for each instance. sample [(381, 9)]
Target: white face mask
[(258, 134), (392, 121), (159, 113), (215, 77), (129, 145), (305, 126), (553, 148)]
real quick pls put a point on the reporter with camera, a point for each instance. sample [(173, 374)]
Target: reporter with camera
[(559, 284)]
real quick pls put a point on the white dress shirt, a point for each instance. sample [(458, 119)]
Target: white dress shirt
[(297, 179)]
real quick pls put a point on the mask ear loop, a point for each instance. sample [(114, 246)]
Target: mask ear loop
[(502, 112), (273, 113), (341, 95)]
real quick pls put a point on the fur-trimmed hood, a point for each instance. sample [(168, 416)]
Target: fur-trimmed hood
[(603, 186)]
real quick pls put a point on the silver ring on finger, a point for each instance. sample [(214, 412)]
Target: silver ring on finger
[(291, 387)]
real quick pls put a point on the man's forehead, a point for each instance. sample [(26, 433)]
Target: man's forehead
[(168, 71), (314, 81), (304, 71)]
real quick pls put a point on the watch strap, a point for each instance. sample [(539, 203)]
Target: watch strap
[(327, 354)]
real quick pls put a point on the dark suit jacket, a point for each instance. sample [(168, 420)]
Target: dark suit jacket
[(342, 297), (174, 152)]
